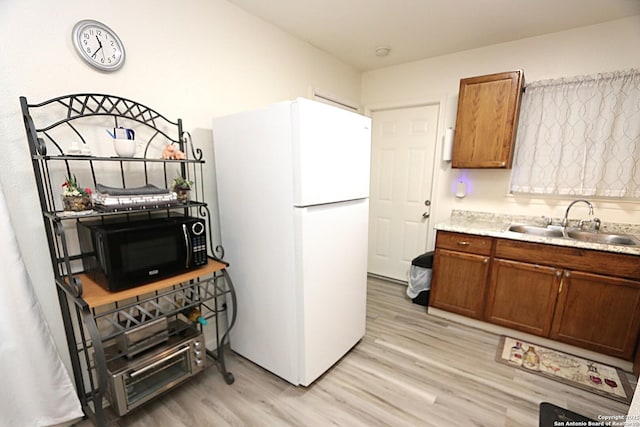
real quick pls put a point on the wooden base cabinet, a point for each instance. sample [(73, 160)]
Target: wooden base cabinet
[(599, 313), (459, 282), (460, 272), (522, 296), (582, 297)]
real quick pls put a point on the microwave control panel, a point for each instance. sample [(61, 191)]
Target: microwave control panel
[(199, 243)]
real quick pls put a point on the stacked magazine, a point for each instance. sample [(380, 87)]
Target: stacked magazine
[(112, 199)]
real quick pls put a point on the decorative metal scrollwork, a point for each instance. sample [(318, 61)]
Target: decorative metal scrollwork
[(76, 286), (82, 105), (219, 251), (41, 147), (188, 142), (203, 211)]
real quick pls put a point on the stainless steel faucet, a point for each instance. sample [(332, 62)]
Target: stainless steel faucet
[(565, 220)]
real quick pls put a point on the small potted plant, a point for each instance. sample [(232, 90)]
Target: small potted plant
[(74, 197), (182, 186)]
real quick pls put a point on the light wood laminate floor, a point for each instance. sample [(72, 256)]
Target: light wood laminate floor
[(411, 369)]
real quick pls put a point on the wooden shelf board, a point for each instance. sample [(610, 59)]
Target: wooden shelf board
[(95, 295)]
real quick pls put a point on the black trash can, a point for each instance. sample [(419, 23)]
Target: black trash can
[(420, 279)]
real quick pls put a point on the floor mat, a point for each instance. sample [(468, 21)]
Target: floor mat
[(569, 369)]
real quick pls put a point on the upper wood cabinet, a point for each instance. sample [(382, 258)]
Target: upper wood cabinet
[(488, 108)]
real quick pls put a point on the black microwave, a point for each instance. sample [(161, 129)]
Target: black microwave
[(123, 255)]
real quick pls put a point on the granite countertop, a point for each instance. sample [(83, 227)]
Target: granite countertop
[(495, 225)]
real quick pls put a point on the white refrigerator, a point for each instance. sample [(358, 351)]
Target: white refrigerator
[(293, 187)]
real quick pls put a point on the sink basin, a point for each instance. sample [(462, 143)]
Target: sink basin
[(535, 230), (583, 236), (608, 239)]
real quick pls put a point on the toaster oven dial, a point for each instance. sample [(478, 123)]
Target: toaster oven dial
[(197, 228)]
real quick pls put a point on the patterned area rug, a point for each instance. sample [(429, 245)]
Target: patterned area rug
[(586, 374)]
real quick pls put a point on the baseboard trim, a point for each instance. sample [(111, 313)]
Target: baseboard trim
[(387, 279)]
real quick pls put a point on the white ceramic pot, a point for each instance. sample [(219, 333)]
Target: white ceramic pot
[(125, 147)]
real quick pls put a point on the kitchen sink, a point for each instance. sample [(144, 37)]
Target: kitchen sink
[(535, 230), (607, 239), (575, 234)]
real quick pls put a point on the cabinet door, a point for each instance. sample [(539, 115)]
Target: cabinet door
[(459, 282), (488, 108), (599, 313), (522, 296)]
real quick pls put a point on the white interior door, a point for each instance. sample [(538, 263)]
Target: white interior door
[(403, 150)]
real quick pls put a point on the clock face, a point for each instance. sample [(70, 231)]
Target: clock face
[(98, 45)]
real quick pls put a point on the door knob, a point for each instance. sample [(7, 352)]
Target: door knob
[(426, 214)]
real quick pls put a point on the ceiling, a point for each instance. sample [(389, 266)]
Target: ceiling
[(351, 30)]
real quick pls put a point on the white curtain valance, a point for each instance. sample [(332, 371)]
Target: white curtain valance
[(580, 136)]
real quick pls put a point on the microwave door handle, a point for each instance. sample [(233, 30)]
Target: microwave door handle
[(187, 243), (158, 362), (100, 254)]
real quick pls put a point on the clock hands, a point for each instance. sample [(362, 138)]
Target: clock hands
[(98, 49), (96, 52)]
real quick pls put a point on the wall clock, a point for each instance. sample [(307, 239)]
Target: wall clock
[(98, 45)]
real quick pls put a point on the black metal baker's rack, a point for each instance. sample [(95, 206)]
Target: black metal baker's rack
[(51, 126)]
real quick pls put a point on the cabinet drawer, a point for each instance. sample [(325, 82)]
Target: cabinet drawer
[(605, 263), (461, 242)]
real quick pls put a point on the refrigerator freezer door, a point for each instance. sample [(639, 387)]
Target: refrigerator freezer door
[(331, 248), (331, 153)]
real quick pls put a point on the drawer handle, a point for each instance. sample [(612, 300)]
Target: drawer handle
[(463, 243)]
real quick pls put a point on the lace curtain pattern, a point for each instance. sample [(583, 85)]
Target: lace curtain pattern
[(580, 136)]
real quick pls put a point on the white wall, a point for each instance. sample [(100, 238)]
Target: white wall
[(587, 50), (191, 59)]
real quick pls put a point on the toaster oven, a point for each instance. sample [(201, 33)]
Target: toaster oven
[(134, 381)]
